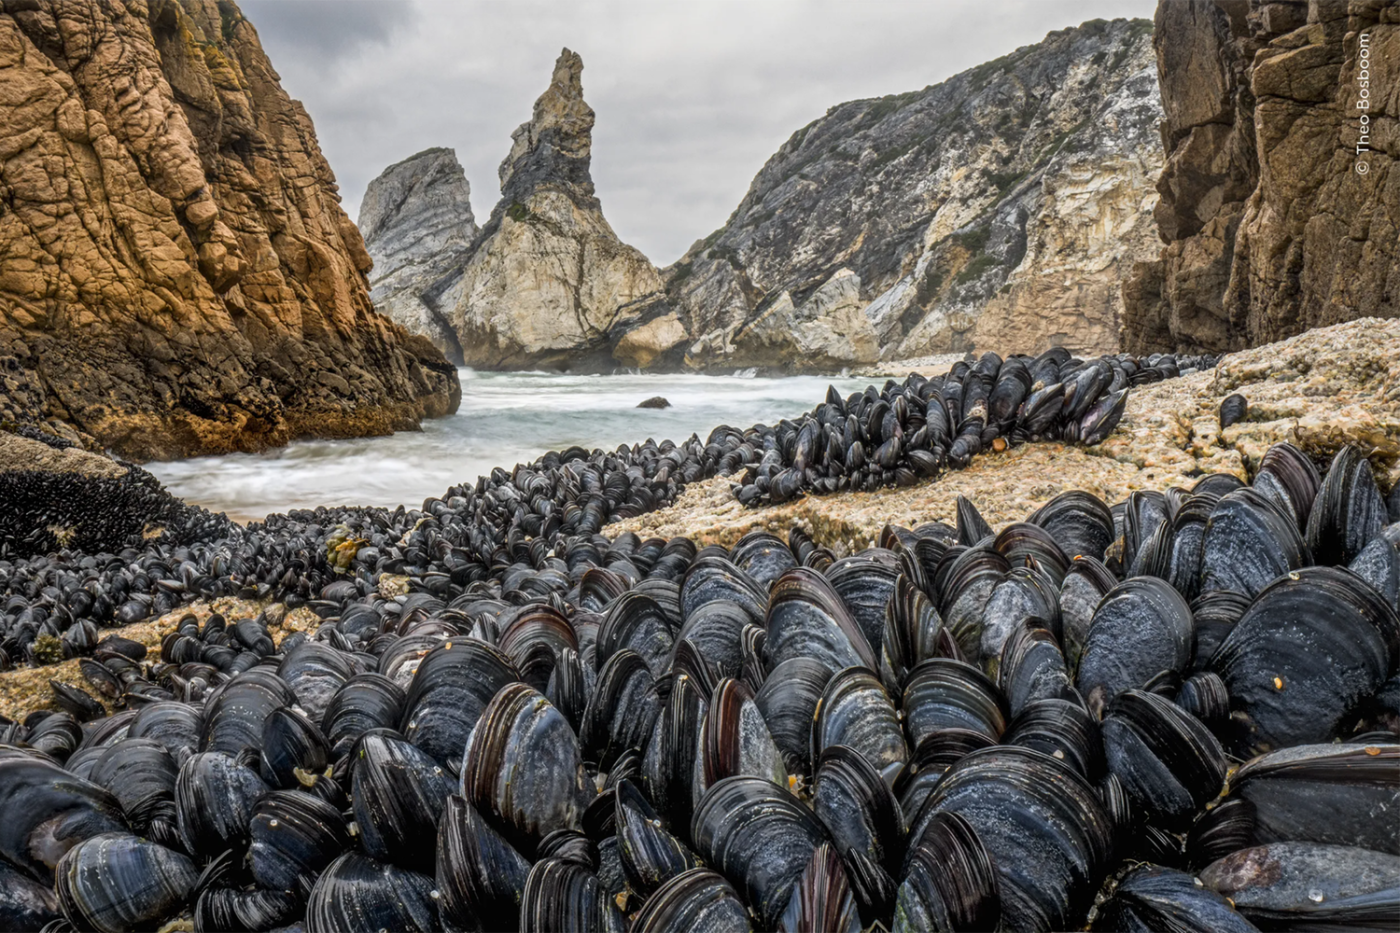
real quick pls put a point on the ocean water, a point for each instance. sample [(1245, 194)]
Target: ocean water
[(504, 419)]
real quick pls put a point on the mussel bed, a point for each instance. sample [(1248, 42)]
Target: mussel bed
[(1180, 711)]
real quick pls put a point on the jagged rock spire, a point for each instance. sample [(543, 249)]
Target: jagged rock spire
[(556, 144)]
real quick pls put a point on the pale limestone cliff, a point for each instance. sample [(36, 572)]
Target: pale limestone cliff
[(416, 218), (176, 274), (548, 283), (1001, 209)]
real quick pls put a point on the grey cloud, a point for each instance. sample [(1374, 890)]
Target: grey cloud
[(691, 98)]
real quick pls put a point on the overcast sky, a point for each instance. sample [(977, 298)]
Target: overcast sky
[(692, 97)]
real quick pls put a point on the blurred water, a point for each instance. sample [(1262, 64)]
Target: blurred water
[(504, 419)]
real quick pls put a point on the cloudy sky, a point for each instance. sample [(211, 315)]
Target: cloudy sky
[(691, 97)]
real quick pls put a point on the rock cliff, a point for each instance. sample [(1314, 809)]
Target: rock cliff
[(176, 274), (1000, 209), (548, 283), (1280, 206), (416, 218)]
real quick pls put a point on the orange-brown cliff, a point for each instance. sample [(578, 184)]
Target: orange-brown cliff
[(177, 276)]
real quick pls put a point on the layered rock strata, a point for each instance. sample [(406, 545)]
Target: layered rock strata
[(548, 283), (176, 274), (1001, 209), (1279, 204), (416, 218)]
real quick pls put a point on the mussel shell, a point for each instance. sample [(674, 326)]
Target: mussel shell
[(821, 899), (480, 876), (214, 800), (1079, 522), (714, 630), (651, 856), (293, 749), (1168, 762), (294, 836), (1308, 885), (699, 900), (951, 883), (236, 909), (365, 701), (24, 903), (1048, 836), (1141, 627), (449, 691), (1084, 587), (1287, 694), (523, 768), (234, 713), (315, 672), (1287, 476), (1032, 668), (1348, 511), (945, 694), (1062, 729), (117, 882), (357, 893), (865, 582), (1338, 794), (622, 710), (1248, 543), (1151, 898), (564, 896), (759, 836), (1233, 410), (788, 700), (45, 811), (856, 711), (762, 556), (806, 618), (857, 807), (177, 726), (735, 739), (141, 774)]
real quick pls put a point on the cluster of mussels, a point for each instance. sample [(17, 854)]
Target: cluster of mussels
[(958, 729), (76, 554), (920, 427)]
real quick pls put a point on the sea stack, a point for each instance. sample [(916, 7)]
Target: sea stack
[(548, 283), (417, 222)]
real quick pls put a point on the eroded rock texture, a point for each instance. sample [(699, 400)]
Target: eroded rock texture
[(1000, 209), (548, 283), (1270, 227), (417, 222), (176, 274)]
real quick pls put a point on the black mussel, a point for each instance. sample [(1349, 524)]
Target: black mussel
[(1031, 668), (698, 900), (1048, 835), (1141, 627), (1248, 543), (1079, 522), (234, 713), (1024, 593), (1103, 416), (672, 767), (758, 835), (735, 739), (1310, 886), (177, 726), (358, 893), (398, 793), (1285, 694), (480, 876), (651, 856), (912, 626), (945, 694), (1233, 410), (966, 580), (450, 689), (763, 556), (1169, 763), (1086, 583), (972, 527), (571, 845), (533, 637), (635, 621), (214, 799), (714, 577), (1224, 828), (622, 710), (76, 702), (24, 903), (141, 774), (315, 672), (117, 882), (294, 836), (1287, 476), (1205, 696), (236, 909), (856, 711), (806, 618), (365, 701), (1213, 615), (858, 809), (1339, 794), (865, 582), (523, 768), (1062, 729), (713, 631), (935, 754), (1151, 898), (294, 752), (565, 896), (1348, 511), (45, 812), (821, 899), (951, 883), (788, 701)]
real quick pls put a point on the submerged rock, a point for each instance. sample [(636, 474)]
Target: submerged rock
[(656, 401)]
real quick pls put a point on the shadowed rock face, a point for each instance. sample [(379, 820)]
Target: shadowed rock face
[(1270, 228), (417, 222), (548, 283), (1001, 209), (177, 276)]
